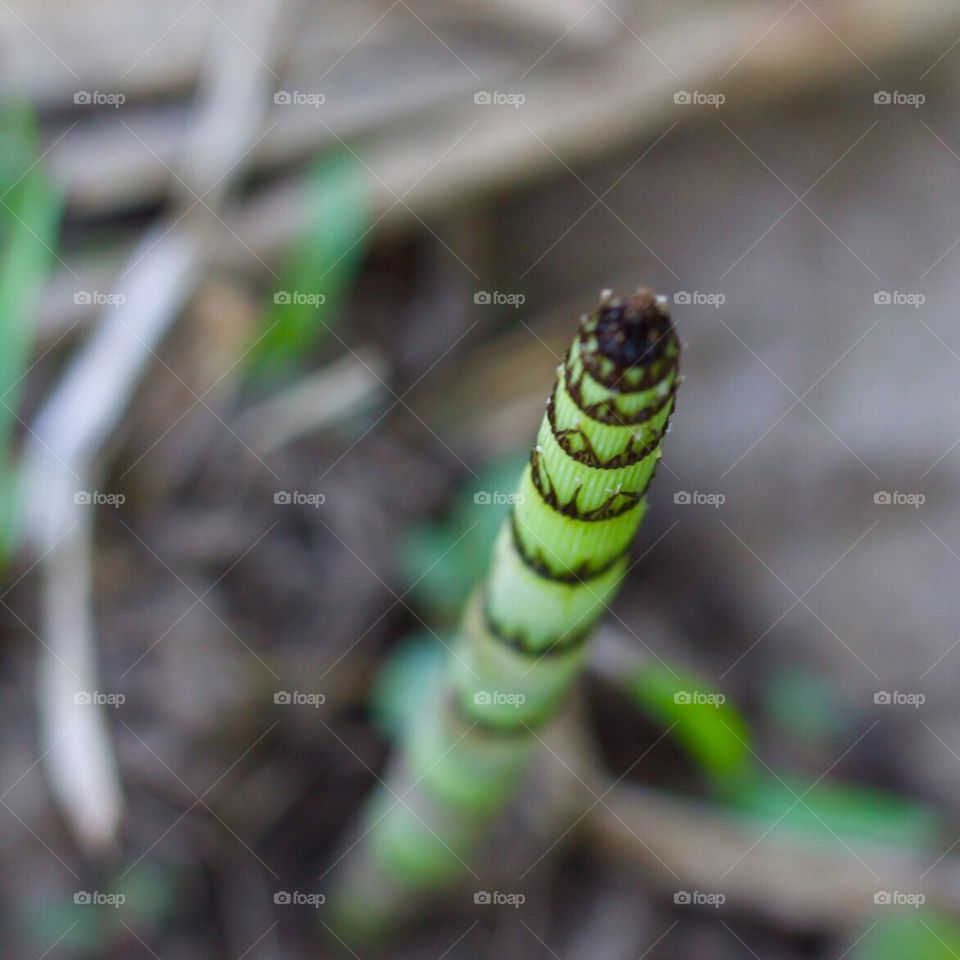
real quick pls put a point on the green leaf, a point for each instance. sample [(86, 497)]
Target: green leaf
[(801, 705), (917, 935), (713, 732), (404, 681), (320, 270), (30, 211), (830, 810), (445, 561), (147, 895), (150, 891), (81, 929)]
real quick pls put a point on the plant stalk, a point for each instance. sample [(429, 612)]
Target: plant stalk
[(557, 562)]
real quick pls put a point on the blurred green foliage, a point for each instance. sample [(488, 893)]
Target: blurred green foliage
[(80, 923), (831, 812), (319, 271), (911, 935), (717, 738), (711, 729), (404, 682), (444, 561), (802, 705), (30, 213)]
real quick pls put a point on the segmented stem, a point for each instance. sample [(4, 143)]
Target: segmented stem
[(557, 562)]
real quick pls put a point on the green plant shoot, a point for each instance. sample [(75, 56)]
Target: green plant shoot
[(557, 562)]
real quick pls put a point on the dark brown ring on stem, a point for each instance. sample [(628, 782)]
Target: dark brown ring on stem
[(589, 457), (581, 575), (605, 511), (519, 644)]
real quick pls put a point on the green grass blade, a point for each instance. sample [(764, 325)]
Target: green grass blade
[(911, 934), (319, 271), (713, 731), (826, 811), (30, 212)]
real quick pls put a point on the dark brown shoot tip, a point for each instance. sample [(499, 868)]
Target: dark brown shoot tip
[(633, 331)]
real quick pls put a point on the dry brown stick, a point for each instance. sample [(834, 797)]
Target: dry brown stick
[(104, 167), (315, 401), (110, 163), (585, 112), (64, 453), (142, 49), (60, 479), (789, 879), (156, 50), (595, 107)]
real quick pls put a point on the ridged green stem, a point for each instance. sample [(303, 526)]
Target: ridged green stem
[(557, 563)]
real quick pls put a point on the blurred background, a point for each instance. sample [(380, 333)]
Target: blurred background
[(283, 290)]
